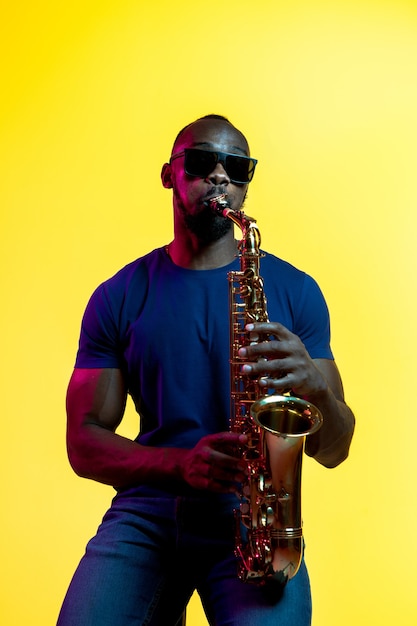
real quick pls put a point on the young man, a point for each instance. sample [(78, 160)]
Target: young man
[(159, 331)]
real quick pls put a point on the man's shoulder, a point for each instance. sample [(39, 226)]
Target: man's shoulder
[(130, 283), (287, 277), (272, 263), (137, 269)]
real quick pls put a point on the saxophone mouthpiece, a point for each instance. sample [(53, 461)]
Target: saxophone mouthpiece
[(219, 204)]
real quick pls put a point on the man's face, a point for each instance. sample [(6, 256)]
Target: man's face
[(191, 192)]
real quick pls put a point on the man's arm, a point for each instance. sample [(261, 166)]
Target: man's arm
[(330, 445), (96, 400)]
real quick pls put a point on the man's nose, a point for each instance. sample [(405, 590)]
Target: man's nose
[(219, 175)]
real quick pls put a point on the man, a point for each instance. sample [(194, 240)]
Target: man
[(158, 330)]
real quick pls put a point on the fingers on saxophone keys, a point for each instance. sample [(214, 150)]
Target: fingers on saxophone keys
[(254, 368), (226, 479), (278, 384), (247, 368)]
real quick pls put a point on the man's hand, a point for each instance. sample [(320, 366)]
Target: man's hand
[(213, 463), (282, 361)]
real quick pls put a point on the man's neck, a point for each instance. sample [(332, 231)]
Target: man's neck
[(191, 254)]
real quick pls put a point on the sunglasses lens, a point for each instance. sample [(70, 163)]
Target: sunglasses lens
[(201, 163), (240, 169)]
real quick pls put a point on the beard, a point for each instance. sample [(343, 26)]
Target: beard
[(206, 225)]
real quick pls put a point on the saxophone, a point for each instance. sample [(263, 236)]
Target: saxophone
[(276, 426)]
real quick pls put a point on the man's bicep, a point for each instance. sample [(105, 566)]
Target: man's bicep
[(96, 396)]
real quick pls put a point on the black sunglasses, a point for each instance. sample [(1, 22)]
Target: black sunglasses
[(201, 163)]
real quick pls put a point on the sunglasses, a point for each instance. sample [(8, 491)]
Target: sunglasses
[(201, 163)]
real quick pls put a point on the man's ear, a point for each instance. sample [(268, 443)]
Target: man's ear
[(166, 176)]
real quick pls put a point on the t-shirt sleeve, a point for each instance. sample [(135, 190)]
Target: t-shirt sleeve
[(313, 321), (99, 338)]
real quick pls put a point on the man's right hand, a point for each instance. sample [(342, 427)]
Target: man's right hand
[(214, 464)]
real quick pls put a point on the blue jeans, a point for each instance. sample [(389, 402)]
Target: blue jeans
[(153, 549)]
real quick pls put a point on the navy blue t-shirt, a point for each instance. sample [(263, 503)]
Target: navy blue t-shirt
[(167, 329)]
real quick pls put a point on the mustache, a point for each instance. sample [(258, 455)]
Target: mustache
[(217, 190)]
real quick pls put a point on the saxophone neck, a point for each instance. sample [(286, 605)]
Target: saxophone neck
[(247, 224)]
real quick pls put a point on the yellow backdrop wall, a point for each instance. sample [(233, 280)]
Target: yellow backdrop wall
[(93, 94)]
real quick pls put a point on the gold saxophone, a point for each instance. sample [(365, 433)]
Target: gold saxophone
[(276, 427)]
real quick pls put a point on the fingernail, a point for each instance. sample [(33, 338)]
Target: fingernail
[(242, 352), (246, 369)]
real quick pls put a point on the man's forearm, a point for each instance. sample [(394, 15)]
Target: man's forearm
[(109, 458), (330, 445)]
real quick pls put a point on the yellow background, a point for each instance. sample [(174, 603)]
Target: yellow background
[(93, 94)]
